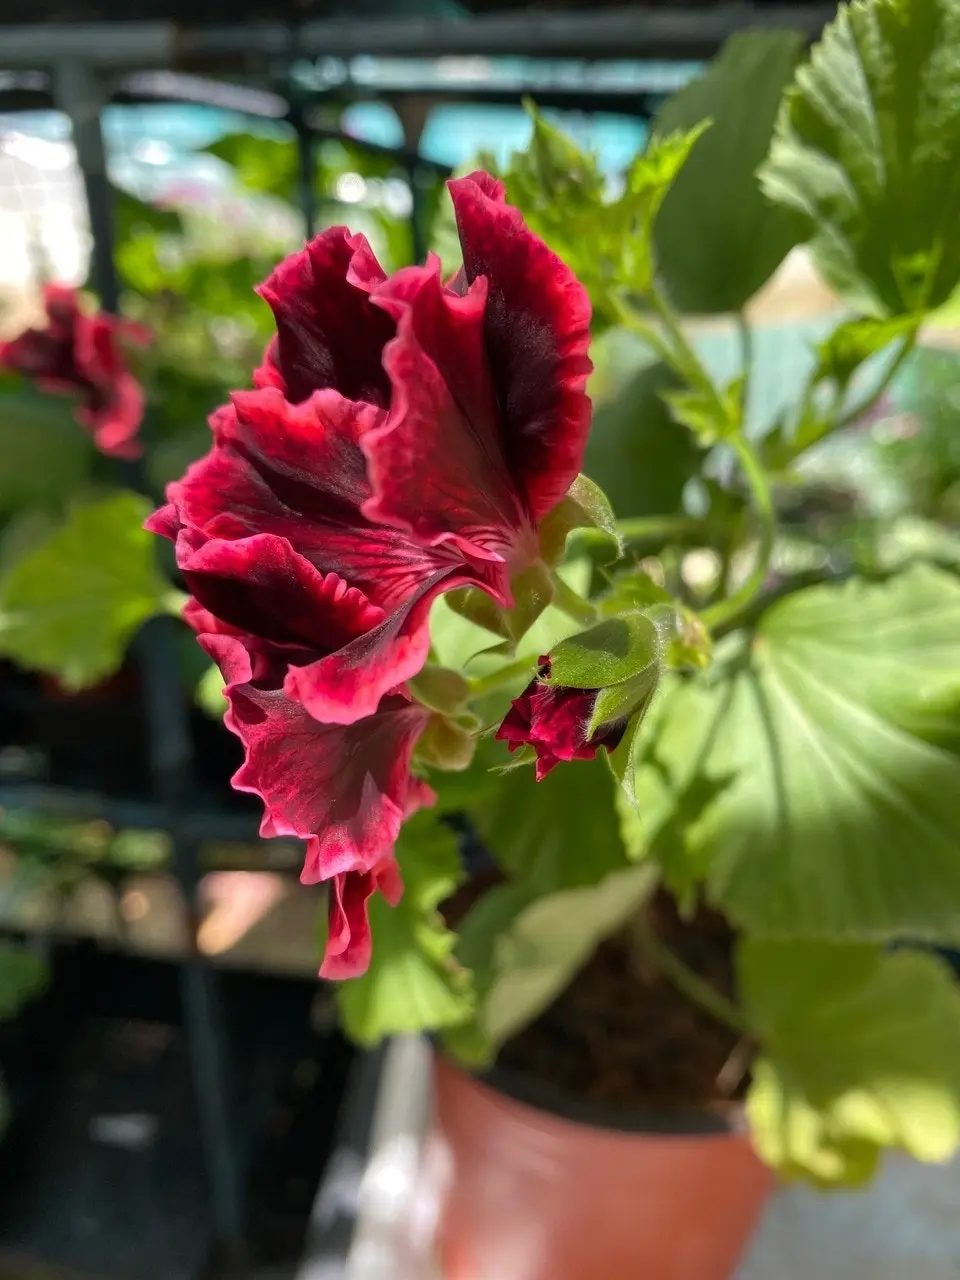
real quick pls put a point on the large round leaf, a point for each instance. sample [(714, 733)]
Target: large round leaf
[(868, 148), (833, 750), (861, 1051), (717, 237), (71, 605)]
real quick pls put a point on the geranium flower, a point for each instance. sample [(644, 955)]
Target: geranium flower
[(406, 435), (554, 721), (345, 789), (80, 354)]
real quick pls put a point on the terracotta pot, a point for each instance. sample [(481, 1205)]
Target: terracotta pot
[(527, 1194)]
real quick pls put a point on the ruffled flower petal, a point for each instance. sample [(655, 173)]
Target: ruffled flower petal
[(436, 462), (328, 333), (344, 789), (537, 328)]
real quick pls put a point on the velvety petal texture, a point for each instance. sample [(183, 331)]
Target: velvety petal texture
[(83, 355), (554, 721), (404, 437)]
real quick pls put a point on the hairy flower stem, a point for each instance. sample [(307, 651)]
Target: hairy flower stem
[(573, 605), (663, 529), (648, 948)]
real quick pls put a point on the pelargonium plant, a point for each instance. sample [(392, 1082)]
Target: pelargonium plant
[(417, 600), (433, 628), (407, 438)]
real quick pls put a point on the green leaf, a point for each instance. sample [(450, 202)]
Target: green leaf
[(560, 191), (560, 841), (23, 976), (440, 689), (833, 740), (621, 701), (636, 452), (265, 165), (614, 650), (649, 180), (46, 453), (555, 834), (71, 605), (854, 342), (710, 417), (867, 147), (841, 357), (446, 744), (526, 949), (414, 983), (585, 506), (133, 217), (718, 238), (861, 1051)]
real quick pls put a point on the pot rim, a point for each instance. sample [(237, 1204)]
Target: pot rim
[(708, 1120)]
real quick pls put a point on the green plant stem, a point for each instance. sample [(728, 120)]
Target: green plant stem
[(573, 605), (654, 340), (664, 529), (866, 402), (831, 424), (725, 612), (480, 686), (684, 358), (687, 982)]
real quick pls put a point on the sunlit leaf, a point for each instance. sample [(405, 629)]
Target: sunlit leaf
[(612, 651), (71, 605), (861, 1051), (526, 949), (867, 147), (834, 743)]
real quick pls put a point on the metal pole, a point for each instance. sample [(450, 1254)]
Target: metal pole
[(413, 113), (80, 95), (628, 32), (306, 171)]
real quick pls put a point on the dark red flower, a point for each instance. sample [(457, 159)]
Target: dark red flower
[(405, 437), (80, 354), (345, 789), (271, 514), (554, 721)]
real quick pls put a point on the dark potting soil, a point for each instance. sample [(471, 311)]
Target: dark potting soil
[(621, 1034)]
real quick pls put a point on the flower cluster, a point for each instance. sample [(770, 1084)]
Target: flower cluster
[(82, 355), (405, 437)]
